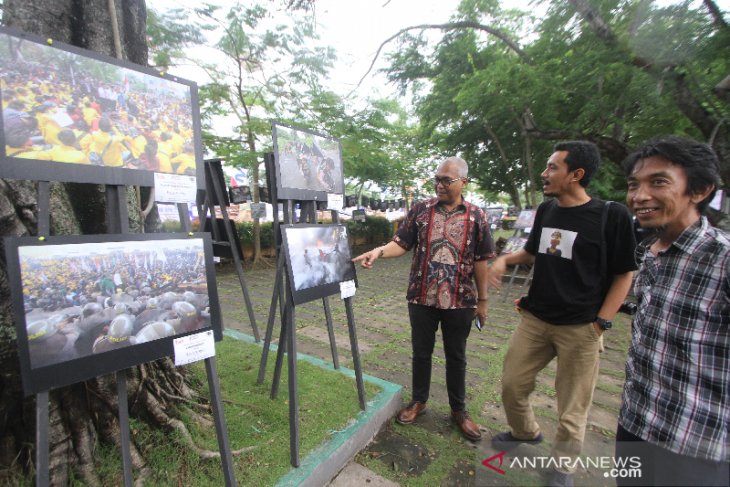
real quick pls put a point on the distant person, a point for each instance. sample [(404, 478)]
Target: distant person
[(675, 408), (451, 243), (65, 151), (570, 304), (104, 147)]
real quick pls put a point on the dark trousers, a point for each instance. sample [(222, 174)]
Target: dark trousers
[(660, 466), (455, 328)]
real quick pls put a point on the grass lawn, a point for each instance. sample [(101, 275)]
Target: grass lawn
[(327, 404)]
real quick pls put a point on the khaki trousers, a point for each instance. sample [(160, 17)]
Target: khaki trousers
[(532, 346)]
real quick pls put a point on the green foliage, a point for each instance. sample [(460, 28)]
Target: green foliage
[(653, 75), (372, 230), (245, 234), (171, 226), (168, 33)]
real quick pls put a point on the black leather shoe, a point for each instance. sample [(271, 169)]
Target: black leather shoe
[(408, 414), (468, 427), (505, 441)]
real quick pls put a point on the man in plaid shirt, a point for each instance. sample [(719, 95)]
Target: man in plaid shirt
[(675, 411)]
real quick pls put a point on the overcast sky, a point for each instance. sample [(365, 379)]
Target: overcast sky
[(355, 28)]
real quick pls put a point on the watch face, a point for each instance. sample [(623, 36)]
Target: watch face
[(605, 324)]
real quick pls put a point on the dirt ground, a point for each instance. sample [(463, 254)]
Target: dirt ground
[(432, 452)]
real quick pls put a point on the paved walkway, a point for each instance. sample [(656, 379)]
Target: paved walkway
[(432, 452)]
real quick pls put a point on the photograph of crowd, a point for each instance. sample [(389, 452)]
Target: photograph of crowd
[(318, 255), (63, 107), (307, 161), (86, 299)]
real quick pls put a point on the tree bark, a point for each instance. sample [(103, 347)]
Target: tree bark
[(83, 414)]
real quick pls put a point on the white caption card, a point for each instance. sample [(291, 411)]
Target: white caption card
[(174, 188), (347, 289), (194, 347), (334, 201)]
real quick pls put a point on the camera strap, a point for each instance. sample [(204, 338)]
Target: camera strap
[(604, 251)]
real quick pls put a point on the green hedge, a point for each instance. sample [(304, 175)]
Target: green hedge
[(374, 230), (245, 233)]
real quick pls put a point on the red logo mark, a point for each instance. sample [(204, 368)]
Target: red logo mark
[(488, 462)]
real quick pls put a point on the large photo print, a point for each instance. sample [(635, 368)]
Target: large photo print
[(318, 260), (74, 115), (78, 302), (308, 165)]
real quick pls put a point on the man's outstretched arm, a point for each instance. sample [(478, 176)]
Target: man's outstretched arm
[(391, 249)]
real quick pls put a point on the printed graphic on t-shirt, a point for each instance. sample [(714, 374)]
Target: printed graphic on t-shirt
[(557, 242)]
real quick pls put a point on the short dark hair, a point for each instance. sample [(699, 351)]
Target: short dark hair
[(699, 161), (581, 155), (67, 137), (105, 125)]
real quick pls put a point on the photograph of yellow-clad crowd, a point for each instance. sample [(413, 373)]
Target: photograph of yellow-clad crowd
[(64, 107)]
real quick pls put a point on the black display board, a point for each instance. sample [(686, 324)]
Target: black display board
[(239, 194), (75, 115), (318, 260), (308, 165), (90, 305)]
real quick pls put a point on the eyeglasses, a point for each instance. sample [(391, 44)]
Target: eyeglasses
[(446, 182)]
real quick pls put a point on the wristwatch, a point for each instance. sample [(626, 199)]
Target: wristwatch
[(604, 324)]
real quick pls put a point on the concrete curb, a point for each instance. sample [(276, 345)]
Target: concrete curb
[(322, 465)]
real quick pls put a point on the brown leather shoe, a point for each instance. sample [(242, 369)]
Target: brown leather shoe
[(408, 414), (468, 427)]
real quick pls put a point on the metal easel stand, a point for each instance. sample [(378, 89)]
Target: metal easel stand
[(214, 195), (118, 222), (514, 276), (287, 338)]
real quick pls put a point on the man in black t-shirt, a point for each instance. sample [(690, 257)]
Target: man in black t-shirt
[(582, 251)]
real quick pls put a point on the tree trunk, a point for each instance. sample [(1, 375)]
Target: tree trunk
[(82, 414)]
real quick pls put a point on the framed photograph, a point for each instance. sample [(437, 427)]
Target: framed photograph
[(318, 260), (70, 114), (239, 194), (513, 244), (94, 304), (525, 219), (493, 216), (308, 165)]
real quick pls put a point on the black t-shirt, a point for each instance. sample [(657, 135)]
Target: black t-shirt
[(567, 287)]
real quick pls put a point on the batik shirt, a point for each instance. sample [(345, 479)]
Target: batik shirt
[(677, 390), (446, 246)]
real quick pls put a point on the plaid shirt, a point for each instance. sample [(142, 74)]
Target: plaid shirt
[(677, 390), (447, 244)]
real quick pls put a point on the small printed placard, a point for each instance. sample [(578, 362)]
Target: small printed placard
[(347, 289), (174, 188), (258, 210), (334, 201), (194, 347)]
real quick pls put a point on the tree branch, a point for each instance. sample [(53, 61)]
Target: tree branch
[(612, 149), (716, 14), (464, 24), (603, 32)]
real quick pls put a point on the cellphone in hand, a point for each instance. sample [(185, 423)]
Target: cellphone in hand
[(478, 323)]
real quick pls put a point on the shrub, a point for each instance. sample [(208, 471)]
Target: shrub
[(171, 226), (373, 230), (245, 234)]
